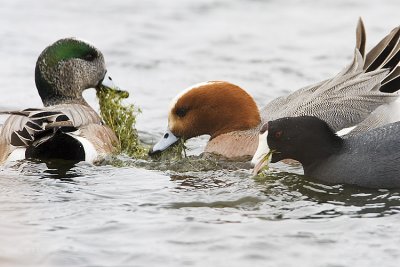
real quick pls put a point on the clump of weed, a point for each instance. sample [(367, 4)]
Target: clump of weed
[(121, 118)]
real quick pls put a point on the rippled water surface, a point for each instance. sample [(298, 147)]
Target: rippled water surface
[(194, 212)]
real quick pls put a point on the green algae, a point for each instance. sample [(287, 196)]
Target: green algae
[(190, 164), (175, 152), (263, 173), (121, 118)]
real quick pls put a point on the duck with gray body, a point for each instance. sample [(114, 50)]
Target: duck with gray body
[(67, 127), (363, 96), (347, 99), (370, 159)]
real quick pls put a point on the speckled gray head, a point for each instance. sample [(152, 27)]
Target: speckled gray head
[(65, 69)]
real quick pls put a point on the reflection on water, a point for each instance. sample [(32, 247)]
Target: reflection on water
[(335, 200), (285, 195), (195, 211), (142, 209), (62, 170)]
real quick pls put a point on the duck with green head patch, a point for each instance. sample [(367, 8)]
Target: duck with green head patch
[(67, 127)]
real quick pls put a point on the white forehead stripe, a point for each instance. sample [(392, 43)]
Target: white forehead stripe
[(196, 86)]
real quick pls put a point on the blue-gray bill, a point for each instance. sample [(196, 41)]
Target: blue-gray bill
[(108, 83), (165, 142)]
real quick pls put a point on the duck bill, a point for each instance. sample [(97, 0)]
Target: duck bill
[(263, 155), (262, 148), (108, 84), (262, 164), (165, 142)]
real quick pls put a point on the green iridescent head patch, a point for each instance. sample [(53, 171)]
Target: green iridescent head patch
[(66, 49)]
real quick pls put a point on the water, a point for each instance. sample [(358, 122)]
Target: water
[(157, 214)]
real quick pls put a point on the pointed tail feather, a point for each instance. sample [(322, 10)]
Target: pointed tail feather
[(385, 53), (361, 37)]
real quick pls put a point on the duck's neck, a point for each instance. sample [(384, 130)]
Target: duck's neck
[(57, 92), (314, 157), (237, 145), (58, 100)]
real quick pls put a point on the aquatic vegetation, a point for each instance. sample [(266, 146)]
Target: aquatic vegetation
[(262, 166), (121, 118), (192, 164), (173, 153), (263, 173)]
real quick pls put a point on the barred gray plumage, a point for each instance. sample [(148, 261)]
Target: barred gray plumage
[(352, 96)]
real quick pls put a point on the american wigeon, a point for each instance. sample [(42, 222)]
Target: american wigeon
[(66, 127), (369, 159), (230, 115)]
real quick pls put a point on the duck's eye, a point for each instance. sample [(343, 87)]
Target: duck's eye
[(89, 57), (278, 134), (181, 112)]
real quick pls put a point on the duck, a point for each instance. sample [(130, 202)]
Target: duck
[(232, 119), (66, 127), (369, 159)]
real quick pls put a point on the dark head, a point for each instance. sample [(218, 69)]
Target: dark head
[(305, 139), (65, 69)]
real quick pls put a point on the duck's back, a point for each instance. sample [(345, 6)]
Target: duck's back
[(79, 134), (371, 160)]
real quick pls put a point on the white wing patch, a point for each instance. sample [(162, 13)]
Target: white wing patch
[(345, 131), (91, 154)]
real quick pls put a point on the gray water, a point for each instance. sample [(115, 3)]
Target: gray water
[(154, 213)]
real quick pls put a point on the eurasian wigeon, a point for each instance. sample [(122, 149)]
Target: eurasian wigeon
[(231, 117), (66, 127), (369, 159)]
